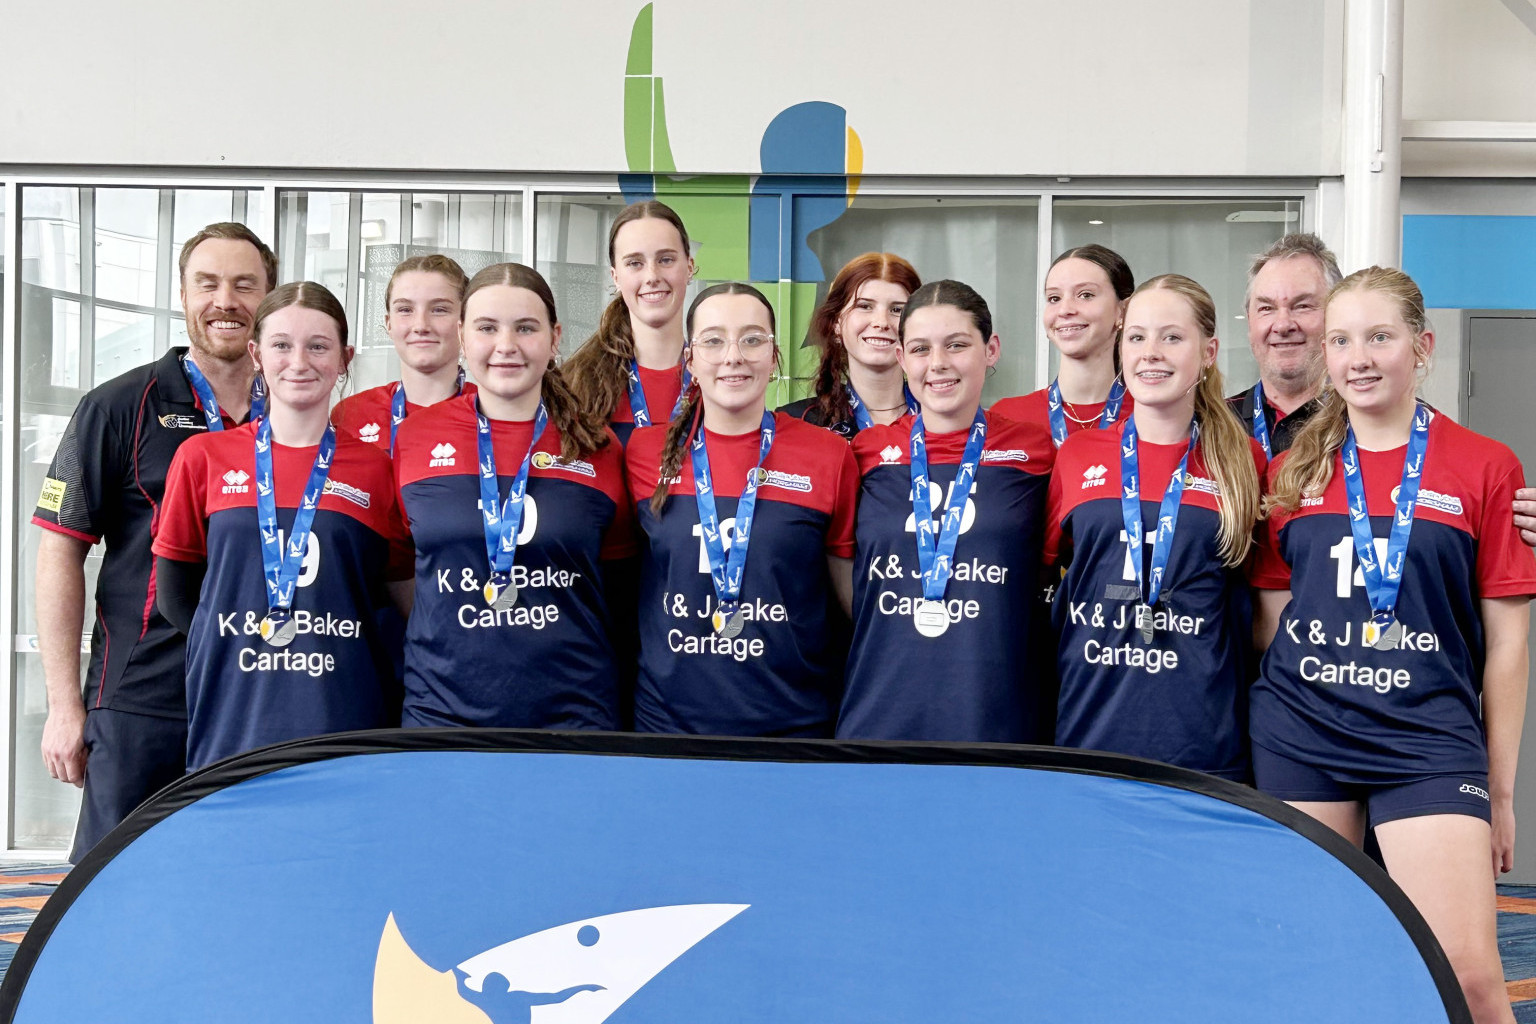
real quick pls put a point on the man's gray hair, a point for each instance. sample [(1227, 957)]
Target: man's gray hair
[(1302, 243)]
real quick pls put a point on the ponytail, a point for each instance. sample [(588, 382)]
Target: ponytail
[(1308, 465), (1228, 454), (580, 435), (679, 433), (597, 371)]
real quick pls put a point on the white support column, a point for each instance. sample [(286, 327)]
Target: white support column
[(1373, 114)]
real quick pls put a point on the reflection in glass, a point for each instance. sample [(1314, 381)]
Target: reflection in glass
[(50, 237), (127, 220), (124, 339), (196, 208), (65, 347)]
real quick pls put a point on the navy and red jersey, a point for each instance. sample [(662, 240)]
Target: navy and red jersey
[(661, 387), (105, 483), (242, 692), (548, 661), (781, 675), (366, 415), (1327, 699), (1035, 408), (977, 681), (1182, 698)]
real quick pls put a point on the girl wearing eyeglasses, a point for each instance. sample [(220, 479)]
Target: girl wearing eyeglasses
[(748, 517)]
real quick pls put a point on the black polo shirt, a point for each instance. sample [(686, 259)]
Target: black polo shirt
[(105, 484), (1282, 429)]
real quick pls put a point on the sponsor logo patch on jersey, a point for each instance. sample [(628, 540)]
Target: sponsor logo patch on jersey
[(237, 481), (442, 454), (1478, 791), (1005, 455), (1093, 476), (52, 497), (181, 421), (890, 453), (544, 460), (1201, 483), (1447, 503), (788, 481), (347, 491), (368, 432)]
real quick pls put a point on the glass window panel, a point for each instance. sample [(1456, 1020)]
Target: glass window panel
[(313, 236), (50, 237), (987, 243), (65, 347), (195, 209), (127, 221), (124, 339), (1210, 240)]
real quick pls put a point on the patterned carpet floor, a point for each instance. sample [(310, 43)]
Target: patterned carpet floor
[(24, 888)]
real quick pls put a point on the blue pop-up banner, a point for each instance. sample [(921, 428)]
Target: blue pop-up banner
[(506, 877)]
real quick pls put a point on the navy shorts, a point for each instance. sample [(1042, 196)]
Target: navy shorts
[(1451, 793), (129, 758)]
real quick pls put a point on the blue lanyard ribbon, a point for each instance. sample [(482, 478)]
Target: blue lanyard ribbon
[(210, 404), (1167, 514), (637, 407), (502, 521), (281, 564), (861, 417), (1382, 581), (936, 555), (1260, 425), (727, 569), (397, 407), (1058, 418)]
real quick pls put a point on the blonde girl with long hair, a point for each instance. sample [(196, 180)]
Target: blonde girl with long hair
[(1394, 606), (1151, 524)]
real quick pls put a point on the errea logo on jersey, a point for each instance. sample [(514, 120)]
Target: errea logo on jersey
[(1093, 476), (368, 432), (236, 481), (442, 454), (890, 453)]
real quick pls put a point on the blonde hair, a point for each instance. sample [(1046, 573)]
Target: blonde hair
[(1308, 466), (1224, 444)]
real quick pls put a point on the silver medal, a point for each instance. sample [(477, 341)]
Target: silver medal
[(1144, 623), (279, 628), (500, 592), (1386, 638), (931, 618), (728, 620)]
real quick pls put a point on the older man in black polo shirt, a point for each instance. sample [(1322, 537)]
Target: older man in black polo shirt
[(127, 738)]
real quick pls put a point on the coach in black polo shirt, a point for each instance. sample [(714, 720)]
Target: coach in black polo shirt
[(127, 738), (1288, 284)]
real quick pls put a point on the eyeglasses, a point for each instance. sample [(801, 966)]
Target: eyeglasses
[(751, 346)]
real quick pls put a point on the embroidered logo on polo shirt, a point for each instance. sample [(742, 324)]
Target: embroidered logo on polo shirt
[(347, 491), (890, 453), (1093, 476), (544, 460), (1005, 455), (237, 481), (181, 421), (442, 454), (368, 432)]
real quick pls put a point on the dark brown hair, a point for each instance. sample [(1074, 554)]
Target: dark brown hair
[(950, 293), (231, 231), (580, 435), (690, 410), (831, 388), (599, 368)]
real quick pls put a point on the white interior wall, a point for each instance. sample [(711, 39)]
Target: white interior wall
[(1022, 87)]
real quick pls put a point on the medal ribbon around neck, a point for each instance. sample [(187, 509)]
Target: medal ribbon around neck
[(1260, 425), (281, 563), (1151, 586), (210, 404), (637, 407), (936, 555), (1058, 418), (861, 417), (1382, 582), (502, 520), (726, 569), (397, 408)]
